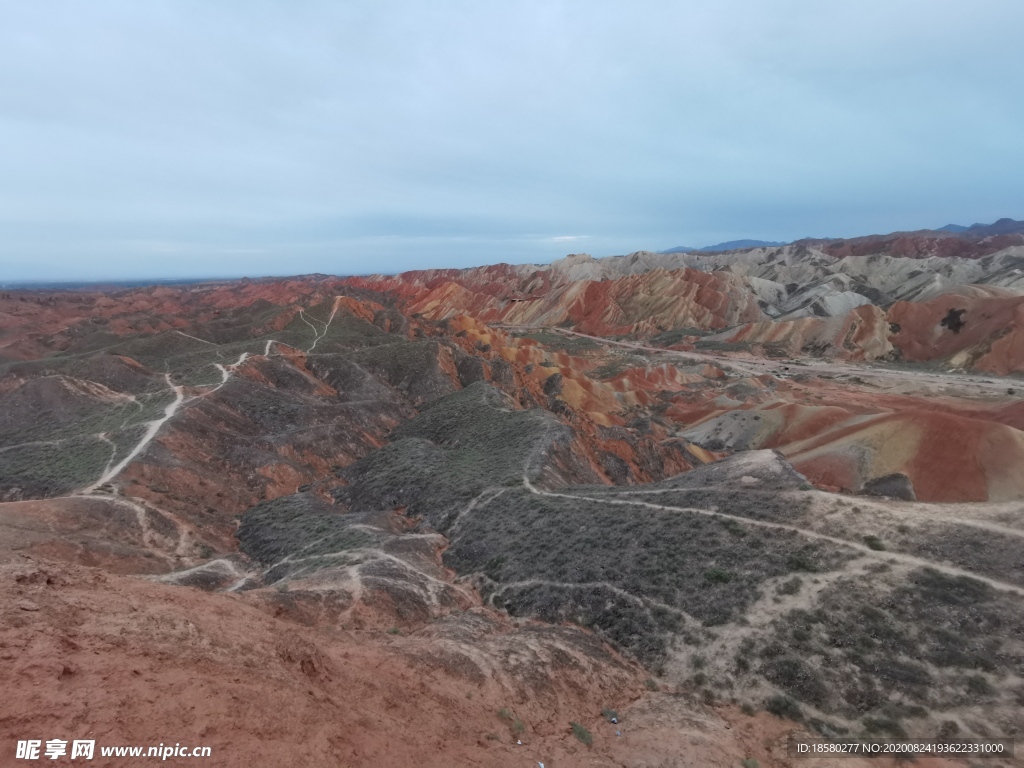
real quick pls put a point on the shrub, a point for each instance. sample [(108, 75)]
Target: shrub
[(582, 733), (796, 677), (790, 587), (784, 707), (874, 543), (800, 561), (514, 723), (733, 527), (609, 714), (885, 725), (978, 685), (948, 729), (717, 576), (952, 590)]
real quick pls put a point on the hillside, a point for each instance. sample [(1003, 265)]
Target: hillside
[(873, 300)]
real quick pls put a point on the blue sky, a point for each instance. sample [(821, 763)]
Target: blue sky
[(172, 139)]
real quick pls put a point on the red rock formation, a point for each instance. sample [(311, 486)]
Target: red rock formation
[(930, 448), (988, 334), (637, 304), (920, 245), (860, 335)]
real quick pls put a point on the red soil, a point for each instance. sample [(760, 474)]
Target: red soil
[(991, 339), (90, 655)]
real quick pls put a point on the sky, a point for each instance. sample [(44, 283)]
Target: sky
[(194, 139)]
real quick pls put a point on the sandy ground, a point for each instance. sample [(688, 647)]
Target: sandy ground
[(126, 661)]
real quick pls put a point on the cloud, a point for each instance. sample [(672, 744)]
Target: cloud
[(315, 136)]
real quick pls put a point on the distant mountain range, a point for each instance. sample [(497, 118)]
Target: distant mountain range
[(729, 245), (104, 285), (1005, 226), (1001, 227)]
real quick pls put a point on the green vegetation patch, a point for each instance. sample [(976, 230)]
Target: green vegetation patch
[(346, 331), (768, 506), (54, 469), (714, 345), (986, 552), (618, 366), (53, 408), (582, 733), (628, 572), (455, 449), (562, 342), (668, 338), (883, 652), (410, 366), (301, 533)]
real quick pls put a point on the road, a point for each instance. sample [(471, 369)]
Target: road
[(753, 366)]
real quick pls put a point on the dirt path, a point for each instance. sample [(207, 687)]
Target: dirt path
[(887, 556), (316, 333), (36, 442), (913, 510), (196, 338), (643, 600), (226, 371), (151, 430), (153, 427), (327, 325), (762, 367)]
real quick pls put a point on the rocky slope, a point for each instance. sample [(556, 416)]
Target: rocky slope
[(846, 299)]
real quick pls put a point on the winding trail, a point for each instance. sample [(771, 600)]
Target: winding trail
[(917, 510), (153, 427), (643, 600), (886, 556), (36, 442), (151, 430), (494, 492), (221, 565), (316, 333), (754, 366), (113, 451), (143, 509), (431, 587), (227, 370), (196, 338), (327, 325)]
